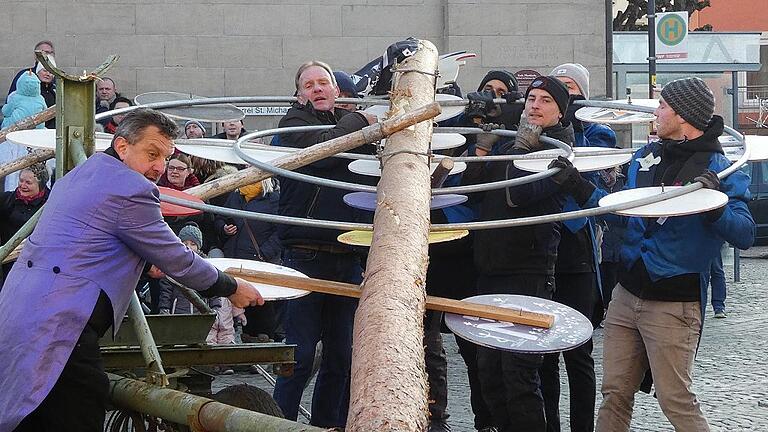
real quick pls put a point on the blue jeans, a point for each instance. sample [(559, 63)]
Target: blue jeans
[(320, 317), (717, 280)]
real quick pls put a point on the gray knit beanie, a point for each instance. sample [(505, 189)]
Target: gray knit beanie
[(192, 232), (692, 100), (577, 73)]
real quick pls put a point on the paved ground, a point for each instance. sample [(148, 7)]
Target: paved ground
[(731, 372)]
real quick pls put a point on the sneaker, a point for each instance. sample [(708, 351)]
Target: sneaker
[(228, 372), (438, 425), (720, 314), (488, 429)]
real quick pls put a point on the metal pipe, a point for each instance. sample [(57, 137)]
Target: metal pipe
[(651, 14), (197, 412), (192, 296), (501, 223), (372, 189), (155, 373)]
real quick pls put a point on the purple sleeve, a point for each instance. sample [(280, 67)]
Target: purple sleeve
[(141, 227)]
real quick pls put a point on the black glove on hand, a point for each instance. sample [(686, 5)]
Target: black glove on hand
[(481, 105), (486, 141), (451, 88), (527, 138), (570, 181), (710, 181)]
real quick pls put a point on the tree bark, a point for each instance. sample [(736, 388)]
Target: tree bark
[(32, 158), (389, 386), (29, 122)]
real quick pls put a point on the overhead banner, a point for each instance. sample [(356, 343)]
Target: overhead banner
[(672, 35)]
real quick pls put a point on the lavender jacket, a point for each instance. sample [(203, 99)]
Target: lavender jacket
[(100, 224)]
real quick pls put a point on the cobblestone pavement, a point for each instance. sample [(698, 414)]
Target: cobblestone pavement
[(730, 377)]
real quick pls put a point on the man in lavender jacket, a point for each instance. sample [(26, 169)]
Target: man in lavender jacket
[(76, 274)]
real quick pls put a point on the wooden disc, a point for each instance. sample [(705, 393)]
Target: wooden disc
[(372, 167), (171, 210), (582, 163), (364, 238), (612, 116), (447, 112), (204, 113), (46, 139), (569, 330), (698, 201), (367, 200), (449, 65), (228, 154), (268, 292)]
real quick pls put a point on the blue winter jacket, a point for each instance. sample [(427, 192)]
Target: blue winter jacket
[(687, 244)]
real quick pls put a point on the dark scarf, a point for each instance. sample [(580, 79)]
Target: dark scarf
[(675, 155)]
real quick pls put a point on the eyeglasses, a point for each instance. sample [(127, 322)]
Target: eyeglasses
[(176, 168)]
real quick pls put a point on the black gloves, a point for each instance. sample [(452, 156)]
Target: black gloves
[(481, 105), (570, 181), (486, 141), (710, 181), (527, 138)]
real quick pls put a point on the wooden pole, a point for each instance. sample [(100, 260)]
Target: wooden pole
[(441, 304), (29, 122), (316, 152), (389, 384), (32, 158)]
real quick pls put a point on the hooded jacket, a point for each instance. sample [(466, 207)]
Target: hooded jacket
[(665, 258), (25, 101)]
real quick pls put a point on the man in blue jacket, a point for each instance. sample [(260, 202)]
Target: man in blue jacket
[(655, 317)]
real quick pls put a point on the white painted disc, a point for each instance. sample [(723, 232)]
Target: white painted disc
[(227, 154), (444, 141), (268, 292), (612, 116), (206, 113), (449, 66), (698, 201), (447, 112), (583, 163), (372, 167), (46, 139)]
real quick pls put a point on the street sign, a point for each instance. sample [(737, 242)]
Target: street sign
[(671, 35)]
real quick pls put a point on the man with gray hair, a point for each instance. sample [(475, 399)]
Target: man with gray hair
[(318, 254), (656, 314), (76, 275)]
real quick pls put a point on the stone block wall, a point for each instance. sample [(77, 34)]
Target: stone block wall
[(239, 47)]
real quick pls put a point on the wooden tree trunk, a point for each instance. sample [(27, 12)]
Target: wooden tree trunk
[(389, 385)]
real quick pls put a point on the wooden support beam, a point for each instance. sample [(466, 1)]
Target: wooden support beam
[(441, 304), (316, 152)]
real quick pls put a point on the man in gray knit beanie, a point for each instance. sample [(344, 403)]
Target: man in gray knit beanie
[(692, 100)]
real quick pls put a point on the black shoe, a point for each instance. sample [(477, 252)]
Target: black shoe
[(438, 425)]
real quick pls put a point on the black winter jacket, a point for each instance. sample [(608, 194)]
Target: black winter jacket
[(311, 201), (530, 249), (240, 245)]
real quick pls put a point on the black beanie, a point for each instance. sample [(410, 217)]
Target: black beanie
[(555, 88), (691, 99), (507, 78)]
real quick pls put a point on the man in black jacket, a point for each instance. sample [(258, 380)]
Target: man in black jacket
[(519, 260), (318, 254)]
